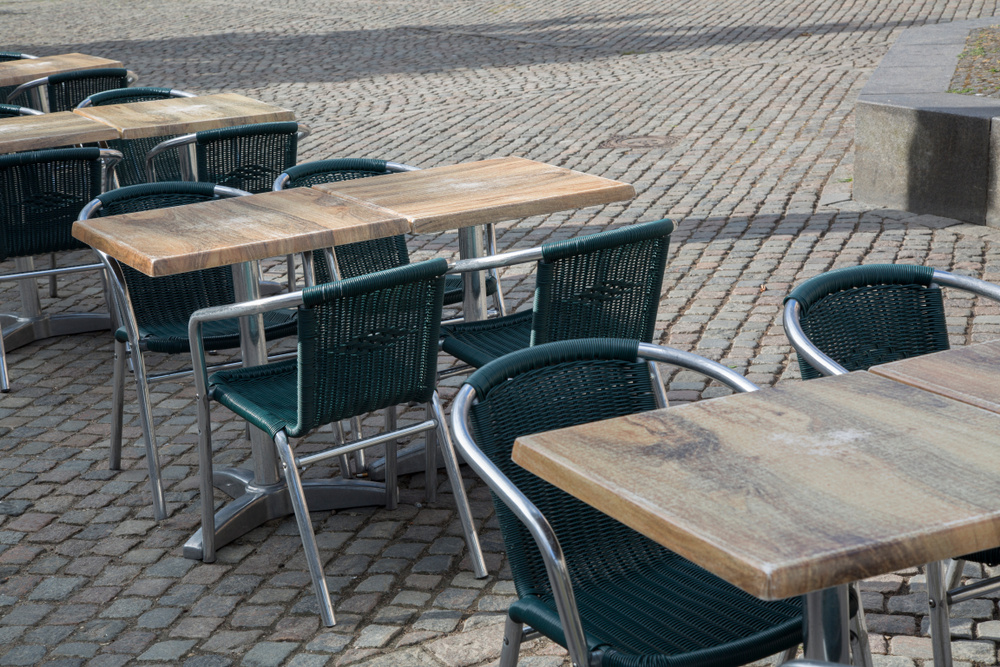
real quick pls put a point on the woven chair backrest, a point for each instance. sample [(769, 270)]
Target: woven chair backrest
[(548, 387), (166, 300), (67, 89), (129, 95), (41, 194), (369, 342), (363, 257), (873, 314), (247, 157), (606, 285)]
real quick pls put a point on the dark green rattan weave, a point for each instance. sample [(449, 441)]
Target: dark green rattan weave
[(358, 259), (365, 343), (163, 305), (67, 89), (41, 193), (862, 316), (603, 285), (247, 157), (639, 602)]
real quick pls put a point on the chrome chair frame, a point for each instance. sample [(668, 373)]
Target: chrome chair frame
[(173, 93), (36, 91), (943, 577), (435, 424), (121, 304), (28, 111), (32, 315)]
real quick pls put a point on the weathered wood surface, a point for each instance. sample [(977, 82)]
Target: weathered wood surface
[(477, 193), (970, 374), (794, 488), (52, 130), (182, 115), (198, 236), (16, 72)]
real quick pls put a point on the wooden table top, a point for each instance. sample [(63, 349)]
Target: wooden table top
[(16, 72), (51, 130), (793, 488), (166, 241), (183, 115), (477, 193), (968, 374)]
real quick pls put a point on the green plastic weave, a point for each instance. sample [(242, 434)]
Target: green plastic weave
[(163, 305), (604, 285), (67, 89), (247, 157), (872, 314), (365, 343), (363, 257), (41, 194), (639, 602)]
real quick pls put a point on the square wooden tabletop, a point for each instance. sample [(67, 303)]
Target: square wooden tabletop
[(166, 241), (969, 373), (182, 115), (51, 130), (16, 72), (477, 193), (793, 488)]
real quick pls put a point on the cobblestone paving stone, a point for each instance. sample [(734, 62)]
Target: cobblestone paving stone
[(733, 119)]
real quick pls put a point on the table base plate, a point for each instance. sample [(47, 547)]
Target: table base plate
[(19, 331)]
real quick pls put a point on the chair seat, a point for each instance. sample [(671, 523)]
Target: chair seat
[(266, 396), (478, 343), (989, 557), (453, 288), (672, 614), (172, 337)]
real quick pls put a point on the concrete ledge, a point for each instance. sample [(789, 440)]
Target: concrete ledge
[(919, 148)]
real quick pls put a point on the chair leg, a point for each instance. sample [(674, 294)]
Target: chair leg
[(4, 378), (512, 633), (53, 287), (117, 406), (391, 474), (491, 249), (953, 576), (152, 451), (359, 454), (298, 498), (786, 655), (937, 600), (340, 438), (430, 461), (861, 651), (458, 490)]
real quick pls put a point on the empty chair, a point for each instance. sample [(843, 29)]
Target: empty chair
[(364, 344), (63, 91), (6, 56), (154, 312), (40, 195), (602, 285), (132, 170), (356, 259), (853, 318), (13, 111), (605, 592)]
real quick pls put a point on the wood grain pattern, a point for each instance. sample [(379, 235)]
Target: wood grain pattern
[(16, 72), (477, 193), (182, 115), (794, 488), (52, 130), (968, 374), (218, 233)]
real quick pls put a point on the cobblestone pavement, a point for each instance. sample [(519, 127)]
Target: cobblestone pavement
[(733, 118)]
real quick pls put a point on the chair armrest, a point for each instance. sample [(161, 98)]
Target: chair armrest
[(130, 78), (694, 362), (534, 521), (496, 261), (182, 140), (974, 285), (803, 346), (303, 132), (27, 86), (109, 160)]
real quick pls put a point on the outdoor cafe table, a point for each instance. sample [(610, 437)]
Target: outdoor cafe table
[(797, 489), (16, 72), (51, 130), (241, 230)]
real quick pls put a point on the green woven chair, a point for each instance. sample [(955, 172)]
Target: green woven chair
[(63, 91), (132, 170), (853, 318), (40, 195), (356, 259), (603, 285), (609, 595), (13, 111), (365, 343), (6, 56), (154, 312)]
